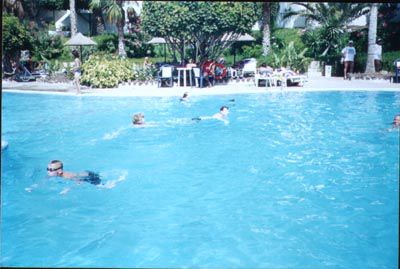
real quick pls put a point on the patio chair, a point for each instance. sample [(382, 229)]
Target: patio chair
[(250, 67), (24, 75), (198, 77), (165, 75), (232, 72), (294, 80), (269, 80)]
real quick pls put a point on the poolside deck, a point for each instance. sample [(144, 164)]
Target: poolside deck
[(247, 86)]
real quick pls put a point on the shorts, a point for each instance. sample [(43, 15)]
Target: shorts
[(77, 74), (92, 178)]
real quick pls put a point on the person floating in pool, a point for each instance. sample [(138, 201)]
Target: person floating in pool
[(185, 97), (138, 119), (221, 115), (396, 121), (56, 169)]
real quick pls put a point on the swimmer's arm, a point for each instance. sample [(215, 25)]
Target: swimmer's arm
[(74, 177)]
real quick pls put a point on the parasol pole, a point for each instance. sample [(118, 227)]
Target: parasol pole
[(165, 52)]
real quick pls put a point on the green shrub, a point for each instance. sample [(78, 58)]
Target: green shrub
[(15, 36), (290, 57), (252, 51), (388, 59), (136, 47), (282, 37), (100, 71), (106, 43), (47, 46)]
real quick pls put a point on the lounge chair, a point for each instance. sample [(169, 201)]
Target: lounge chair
[(268, 78), (24, 75), (250, 67), (289, 78), (293, 79)]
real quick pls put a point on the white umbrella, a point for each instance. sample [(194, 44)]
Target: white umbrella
[(159, 40), (245, 37), (242, 38), (80, 40)]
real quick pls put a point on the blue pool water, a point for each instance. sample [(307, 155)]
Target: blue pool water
[(295, 180)]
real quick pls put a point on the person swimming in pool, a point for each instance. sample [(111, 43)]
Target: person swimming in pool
[(185, 97), (56, 169), (221, 115), (396, 121), (138, 119)]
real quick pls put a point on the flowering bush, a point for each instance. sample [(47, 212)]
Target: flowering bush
[(101, 72), (105, 71)]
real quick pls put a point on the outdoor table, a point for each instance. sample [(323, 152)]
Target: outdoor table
[(184, 70)]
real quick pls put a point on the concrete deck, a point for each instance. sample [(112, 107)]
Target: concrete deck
[(247, 86)]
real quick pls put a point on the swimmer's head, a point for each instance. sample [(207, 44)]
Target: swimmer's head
[(55, 168), (396, 120), (224, 110), (138, 119), (185, 95)]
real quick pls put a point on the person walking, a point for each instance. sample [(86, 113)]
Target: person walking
[(77, 71), (378, 55), (348, 54)]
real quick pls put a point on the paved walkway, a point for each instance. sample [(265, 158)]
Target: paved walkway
[(247, 86)]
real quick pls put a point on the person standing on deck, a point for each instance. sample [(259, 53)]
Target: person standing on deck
[(348, 53)]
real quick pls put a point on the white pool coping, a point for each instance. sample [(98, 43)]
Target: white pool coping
[(316, 84)]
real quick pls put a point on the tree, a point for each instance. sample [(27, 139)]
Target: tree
[(332, 19), (116, 14), (207, 27), (14, 7), (72, 17), (15, 38), (372, 27), (269, 12), (266, 42)]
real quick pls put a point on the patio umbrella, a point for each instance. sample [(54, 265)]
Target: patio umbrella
[(242, 38), (80, 40), (159, 40)]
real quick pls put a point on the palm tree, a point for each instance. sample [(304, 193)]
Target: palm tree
[(328, 13), (266, 19), (268, 10), (333, 19), (72, 17), (115, 13), (14, 7), (372, 27)]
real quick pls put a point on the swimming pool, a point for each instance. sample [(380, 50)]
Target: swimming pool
[(295, 180)]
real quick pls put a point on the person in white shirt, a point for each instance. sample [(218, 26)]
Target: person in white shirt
[(348, 54), (378, 55)]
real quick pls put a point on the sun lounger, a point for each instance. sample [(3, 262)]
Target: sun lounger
[(269, 80), (293, 80)]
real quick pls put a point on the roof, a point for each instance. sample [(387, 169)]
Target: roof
[(80, 40)]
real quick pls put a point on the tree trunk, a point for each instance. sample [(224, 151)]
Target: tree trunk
[(120, 28), (121, 41), (266, 19), (373, 21), (72, 17)]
